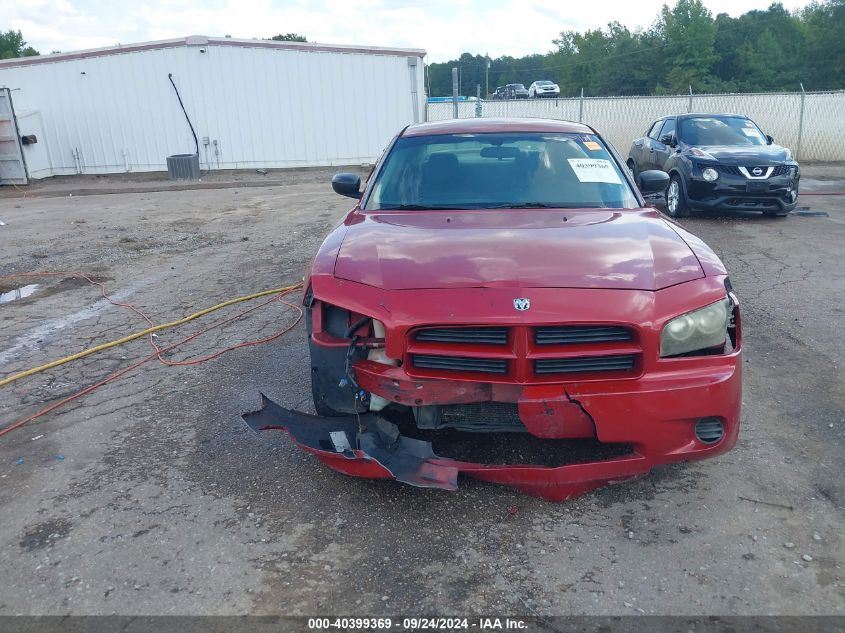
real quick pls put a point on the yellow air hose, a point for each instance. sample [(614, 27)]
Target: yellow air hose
[(132, 337)]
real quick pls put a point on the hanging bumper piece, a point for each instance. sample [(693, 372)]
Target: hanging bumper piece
[(371, 446)]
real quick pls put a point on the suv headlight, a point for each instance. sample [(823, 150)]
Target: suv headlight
[(709, 174), (699, 329)]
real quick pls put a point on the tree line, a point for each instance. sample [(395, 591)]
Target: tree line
[(686, 46)]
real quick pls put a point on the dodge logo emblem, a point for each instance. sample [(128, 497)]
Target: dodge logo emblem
[(521, 304), (757, 171)]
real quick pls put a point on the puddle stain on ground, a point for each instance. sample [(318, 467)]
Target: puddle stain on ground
[(18, 293), (45, 534)]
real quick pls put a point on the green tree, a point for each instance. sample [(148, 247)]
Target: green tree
[(759, 50), (689, 32), (760, 64), (824, 59), (13, 45), (764, 50), (289, 37)]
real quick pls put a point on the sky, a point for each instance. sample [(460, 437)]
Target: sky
[(444, 28)]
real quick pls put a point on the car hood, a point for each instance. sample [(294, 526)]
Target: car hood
[(745, 155), (597, 248)]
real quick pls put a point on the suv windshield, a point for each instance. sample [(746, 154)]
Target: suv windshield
[(544, 83), (501, 170), (704, 131), (516, 86)]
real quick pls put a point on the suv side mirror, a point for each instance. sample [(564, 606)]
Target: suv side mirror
[(653, 181), (668, 139), (769, 139), (347, 185)]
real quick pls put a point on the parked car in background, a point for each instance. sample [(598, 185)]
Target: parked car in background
[(505, 276), (717, 161), (499, 93), (515, 91), (543, 88)]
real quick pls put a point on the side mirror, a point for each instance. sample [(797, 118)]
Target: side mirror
[(668, 139), (653, 181), (347, 185), (769, 139)]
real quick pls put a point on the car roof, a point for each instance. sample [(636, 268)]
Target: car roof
[(495, 124)]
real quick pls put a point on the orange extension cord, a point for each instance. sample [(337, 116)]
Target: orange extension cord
[(159, 351)]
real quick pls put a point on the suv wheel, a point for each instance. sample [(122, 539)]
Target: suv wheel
[(676, 200), (633, 167)]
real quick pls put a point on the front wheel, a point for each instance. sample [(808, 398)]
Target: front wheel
[(633, 167), (676, 200)]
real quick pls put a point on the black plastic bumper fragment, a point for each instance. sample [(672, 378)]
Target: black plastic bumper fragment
[(359, 439)]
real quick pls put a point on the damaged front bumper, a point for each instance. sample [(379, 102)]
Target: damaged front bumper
[(658, 418), (370, 446)]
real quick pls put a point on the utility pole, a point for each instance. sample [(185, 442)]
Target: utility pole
[(581, 107), (477, 100), (487, 78), (455, 92), (801, 122)]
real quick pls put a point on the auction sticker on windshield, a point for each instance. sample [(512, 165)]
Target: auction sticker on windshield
[(594, 170)]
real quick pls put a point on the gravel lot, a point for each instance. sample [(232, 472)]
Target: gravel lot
[(150, 496)]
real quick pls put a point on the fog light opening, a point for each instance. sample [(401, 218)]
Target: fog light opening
[(709, 430)]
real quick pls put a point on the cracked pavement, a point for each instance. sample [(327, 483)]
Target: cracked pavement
[(150, 496)]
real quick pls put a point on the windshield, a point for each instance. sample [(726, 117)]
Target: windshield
[(501, 170), (544, 83), (516, 86), (704, 131)]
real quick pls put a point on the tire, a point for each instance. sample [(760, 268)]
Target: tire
[(676, 199), (633, 167)]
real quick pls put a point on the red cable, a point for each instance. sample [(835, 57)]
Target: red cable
[(158, 351)]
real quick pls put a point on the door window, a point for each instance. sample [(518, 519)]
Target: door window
[(655, 129), (667, 130)]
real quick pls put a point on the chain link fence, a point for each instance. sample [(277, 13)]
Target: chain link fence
[(812, 124)]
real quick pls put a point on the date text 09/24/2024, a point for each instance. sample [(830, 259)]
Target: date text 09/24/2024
[(418, 624)]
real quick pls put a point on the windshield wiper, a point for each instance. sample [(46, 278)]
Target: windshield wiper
[(420, 207), (535, 205)]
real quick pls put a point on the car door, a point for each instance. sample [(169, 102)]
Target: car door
[(663, 146), (641, 149)]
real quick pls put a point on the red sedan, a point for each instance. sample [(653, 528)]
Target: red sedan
[(506, 277)]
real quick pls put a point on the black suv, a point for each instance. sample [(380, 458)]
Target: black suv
[(717, 161), (516, 91)]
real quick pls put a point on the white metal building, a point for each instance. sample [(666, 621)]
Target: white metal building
[(253, 104)]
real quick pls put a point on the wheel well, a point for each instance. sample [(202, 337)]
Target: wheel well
[(675, 172)]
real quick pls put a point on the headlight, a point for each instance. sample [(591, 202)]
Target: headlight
[(710, 174), (700, 153), (703, 328)]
